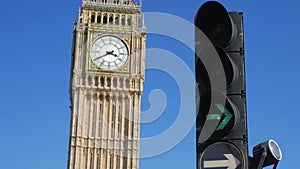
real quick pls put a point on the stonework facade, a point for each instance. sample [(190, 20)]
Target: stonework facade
[(106, 83)]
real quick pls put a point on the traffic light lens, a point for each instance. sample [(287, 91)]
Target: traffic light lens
[(220, 34), (213, 20), (216, 114), (216, 70), (227, 65)]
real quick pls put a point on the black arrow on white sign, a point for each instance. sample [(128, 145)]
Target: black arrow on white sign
[(231, 163)]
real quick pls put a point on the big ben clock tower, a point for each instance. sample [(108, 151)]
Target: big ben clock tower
[(107, 76)]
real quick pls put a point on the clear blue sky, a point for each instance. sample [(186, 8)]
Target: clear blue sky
[(35, 49)]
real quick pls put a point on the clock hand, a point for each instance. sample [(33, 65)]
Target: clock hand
[(99, 57), (107, 53), (112, 53)]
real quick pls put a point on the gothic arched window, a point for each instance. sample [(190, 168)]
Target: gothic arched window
[(111, 19), (105, 19), (123, 20), (99, 19), (93, 18), (129, 21), (117, 20)]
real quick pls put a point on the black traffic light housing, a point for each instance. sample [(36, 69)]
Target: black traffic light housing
[(220, 78)]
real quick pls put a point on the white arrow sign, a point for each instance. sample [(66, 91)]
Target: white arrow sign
[(230, 163)]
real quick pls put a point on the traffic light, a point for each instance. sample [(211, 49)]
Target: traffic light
[(220, 92)]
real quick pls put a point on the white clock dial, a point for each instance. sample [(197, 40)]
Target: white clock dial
[(109, 53)]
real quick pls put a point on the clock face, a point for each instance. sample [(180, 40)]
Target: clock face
[(109, 53)]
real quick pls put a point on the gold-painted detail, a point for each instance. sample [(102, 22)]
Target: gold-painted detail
[(126, 39), (93, 66)]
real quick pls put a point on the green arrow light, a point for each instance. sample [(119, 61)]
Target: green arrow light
[(227, 118), (213, 117)]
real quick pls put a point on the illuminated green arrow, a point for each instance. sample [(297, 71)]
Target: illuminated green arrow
[(227, 118), (225, 121)]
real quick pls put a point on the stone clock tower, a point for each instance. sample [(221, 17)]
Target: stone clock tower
[(106, 83)]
